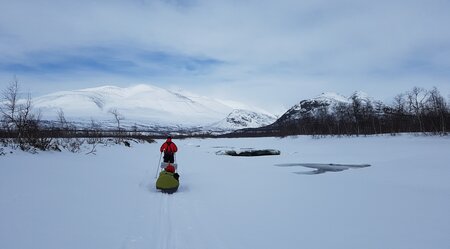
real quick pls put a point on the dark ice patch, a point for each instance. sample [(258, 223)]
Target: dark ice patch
[(249, 153), (321, 168)]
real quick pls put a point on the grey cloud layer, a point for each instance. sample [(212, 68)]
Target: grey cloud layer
[(299, 42)]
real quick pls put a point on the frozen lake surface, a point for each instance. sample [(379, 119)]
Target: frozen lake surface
[(55, 200)]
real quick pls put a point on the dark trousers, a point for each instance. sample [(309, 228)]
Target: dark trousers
[(168, 158)]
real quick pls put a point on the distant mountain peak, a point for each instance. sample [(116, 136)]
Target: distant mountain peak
[(138, 104), (331, 96), (239, 119), (362, 96), (327, 100)]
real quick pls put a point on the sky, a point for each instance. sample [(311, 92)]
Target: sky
[(269, 54)]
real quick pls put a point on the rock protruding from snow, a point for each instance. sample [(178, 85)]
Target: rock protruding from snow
[(249, 152)]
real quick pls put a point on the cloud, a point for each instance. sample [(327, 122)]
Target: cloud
[(123, 61), (279, 51)]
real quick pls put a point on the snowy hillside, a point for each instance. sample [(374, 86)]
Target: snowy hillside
[(72, 201), (239, 119), (141, 105), (327, 100), (363, 97)]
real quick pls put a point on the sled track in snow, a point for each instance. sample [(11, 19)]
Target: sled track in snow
[(167, 236)]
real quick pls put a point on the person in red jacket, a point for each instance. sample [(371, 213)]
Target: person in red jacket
[(169, 148)]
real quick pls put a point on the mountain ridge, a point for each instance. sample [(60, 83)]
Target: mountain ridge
[(325, 101), (142, 105)]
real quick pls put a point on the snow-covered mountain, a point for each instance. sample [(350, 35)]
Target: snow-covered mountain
[(143, 106), (239, 119), (325, 101)]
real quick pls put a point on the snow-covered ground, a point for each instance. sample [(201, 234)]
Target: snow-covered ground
[(75, 201)]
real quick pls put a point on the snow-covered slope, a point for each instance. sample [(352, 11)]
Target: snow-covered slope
[(141, 104), (239, 119), (326, 101), (363, 97)]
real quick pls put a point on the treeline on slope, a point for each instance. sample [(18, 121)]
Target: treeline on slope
[(418, 110), (21, 127)]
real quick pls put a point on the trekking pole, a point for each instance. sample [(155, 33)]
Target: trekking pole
[(159, 166), (175, 159)]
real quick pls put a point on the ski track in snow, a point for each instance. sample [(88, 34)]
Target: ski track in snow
[(165, 225), (155, 209), (159, 208), (133, 240)]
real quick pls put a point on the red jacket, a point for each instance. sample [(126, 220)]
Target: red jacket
[(168, 147)]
